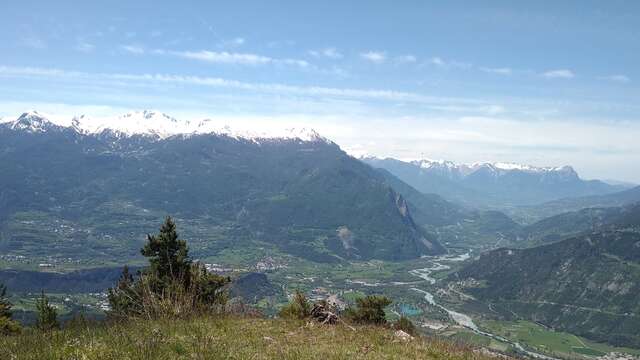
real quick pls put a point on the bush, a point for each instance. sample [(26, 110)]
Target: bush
[(47, 314), (370, 310), (405, 325), (298, 308)]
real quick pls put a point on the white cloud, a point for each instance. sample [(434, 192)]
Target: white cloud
[(34, 43), (331, 53), (134, 49), (346, 93), (235, 42), (405, 59), (499, 71), (377, 57), (85, 47), (616, 78), (449, 64), (559, 74), (224, 57)]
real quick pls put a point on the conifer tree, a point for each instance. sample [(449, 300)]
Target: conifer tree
[(7, 325), (168, 255), (47, 314), (5, 305), (124, 299)]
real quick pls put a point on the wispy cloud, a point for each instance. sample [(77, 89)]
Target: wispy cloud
[(405, 59), (616, 78), (224, 57), (559, 74), (34, 43), (344, 93), (499, 71), (235, 42), (377, 57), (449, 64), (133, 49), (84, 47), (331, 53)]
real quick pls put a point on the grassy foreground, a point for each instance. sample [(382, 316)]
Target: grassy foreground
[(224, 338)]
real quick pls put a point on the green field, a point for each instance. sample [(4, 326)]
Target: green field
[(541, 339)]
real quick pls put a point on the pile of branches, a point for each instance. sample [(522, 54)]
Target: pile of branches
[(323, 314)]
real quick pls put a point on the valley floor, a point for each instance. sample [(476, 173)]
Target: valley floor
[(225, 338)]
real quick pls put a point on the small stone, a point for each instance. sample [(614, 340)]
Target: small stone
[(402, 335)]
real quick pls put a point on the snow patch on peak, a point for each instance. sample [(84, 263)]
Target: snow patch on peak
[(32, 121), (158, 125), (429, 164)]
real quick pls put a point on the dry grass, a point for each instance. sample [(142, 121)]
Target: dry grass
[(223, 338)]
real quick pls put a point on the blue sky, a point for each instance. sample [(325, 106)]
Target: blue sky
[(539, 82)]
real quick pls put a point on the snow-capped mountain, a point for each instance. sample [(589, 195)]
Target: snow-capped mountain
[(492, 183), (287, 192), (458, 171), (151, 124)]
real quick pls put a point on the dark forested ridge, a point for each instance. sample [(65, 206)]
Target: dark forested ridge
[(587, 285)]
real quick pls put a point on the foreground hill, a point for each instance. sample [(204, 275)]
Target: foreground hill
[(225, 338), (499, 185), (586, 285), (80, 190)]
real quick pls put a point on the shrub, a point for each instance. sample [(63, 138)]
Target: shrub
[(47, 314), (298, 308), (370, 310), (405, 325)]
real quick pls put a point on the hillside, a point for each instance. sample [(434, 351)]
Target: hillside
[(217, 338), (534, 213), (71, 192), (586, 285)]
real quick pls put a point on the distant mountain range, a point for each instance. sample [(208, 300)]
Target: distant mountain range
[(76, 189), (587, 284), (493, 185)]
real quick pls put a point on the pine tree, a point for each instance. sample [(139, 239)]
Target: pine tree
[(168, 255), (5, 305), (124, 299), (370, 310), (47, 314), (7, 326)]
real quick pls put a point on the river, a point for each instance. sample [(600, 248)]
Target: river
[(460, 318)]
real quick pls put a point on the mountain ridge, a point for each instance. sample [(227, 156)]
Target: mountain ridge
[(497, 185), (152, 124), (306, 198)]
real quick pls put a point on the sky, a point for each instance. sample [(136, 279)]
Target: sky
[(544, 83)]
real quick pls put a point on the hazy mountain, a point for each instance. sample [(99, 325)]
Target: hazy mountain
[(587, 285), (492, 184), (86, 189), (569, 204)]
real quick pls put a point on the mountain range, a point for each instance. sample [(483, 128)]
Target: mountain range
[(100, 188), (492, 185)]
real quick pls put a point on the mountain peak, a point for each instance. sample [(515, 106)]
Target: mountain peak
[(159, 125), (32, 121)]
